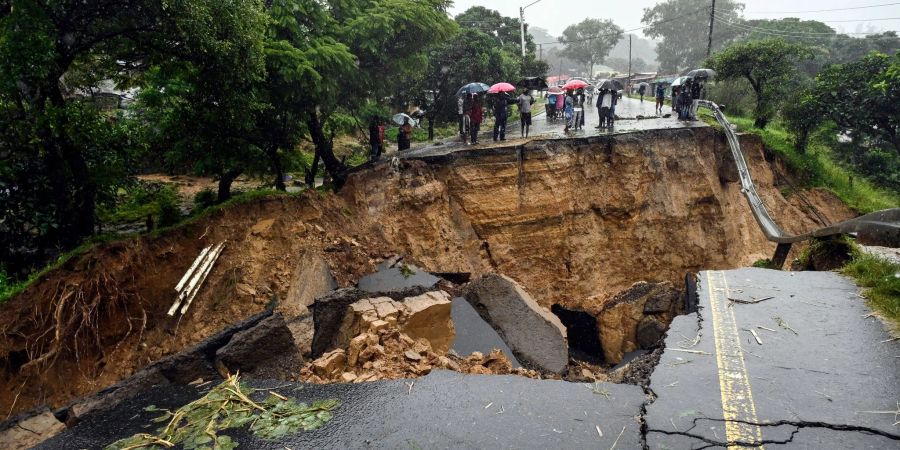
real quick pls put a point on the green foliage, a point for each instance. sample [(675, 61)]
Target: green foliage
[(763, 263), (818, 167), (881, 278), (134, 203), (768, 65), (197, 425), (204, 199), (681, 26), (589, 41)]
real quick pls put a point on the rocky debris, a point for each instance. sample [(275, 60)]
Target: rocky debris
[(389, 354), (535, 335), (301, 329), (311, 278), (29, 430), (425, 316), (255, 347), (329, 311), (636, 318)]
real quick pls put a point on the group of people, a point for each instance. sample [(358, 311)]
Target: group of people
[(686, 99), (471, 114)]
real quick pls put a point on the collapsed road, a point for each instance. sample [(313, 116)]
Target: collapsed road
[(542, 212), (823, 374)]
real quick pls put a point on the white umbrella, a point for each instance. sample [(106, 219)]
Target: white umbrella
[(401, 117)]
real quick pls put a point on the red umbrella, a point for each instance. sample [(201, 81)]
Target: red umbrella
[(555, 90), (575, 84), (501, 87)]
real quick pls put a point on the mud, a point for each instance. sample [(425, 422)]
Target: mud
[(574, 221)]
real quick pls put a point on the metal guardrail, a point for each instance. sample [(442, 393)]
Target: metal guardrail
[(880, 227)]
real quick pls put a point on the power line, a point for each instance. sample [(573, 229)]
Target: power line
[(625, 31), (823, 10)]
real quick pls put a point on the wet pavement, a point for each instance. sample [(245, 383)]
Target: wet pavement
[(634, 116), (825, 375), (441, 410)]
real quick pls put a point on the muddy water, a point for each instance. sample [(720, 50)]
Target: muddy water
[(396, 276)]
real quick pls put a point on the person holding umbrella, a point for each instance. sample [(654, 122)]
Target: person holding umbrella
[(476, 115), (641, 89), (696, 91), (660, 98), (376, 138), (403, 135), (525, 101)]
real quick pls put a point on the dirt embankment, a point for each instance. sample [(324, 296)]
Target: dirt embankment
[(574, 221)]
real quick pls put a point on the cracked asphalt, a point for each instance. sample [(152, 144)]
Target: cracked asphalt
[(824, 374)]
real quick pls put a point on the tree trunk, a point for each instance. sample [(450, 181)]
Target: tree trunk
[(225, 184), (277, 167), (325, 150), (311, 173)]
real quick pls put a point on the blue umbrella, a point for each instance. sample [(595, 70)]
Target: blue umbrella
[(472, 88)]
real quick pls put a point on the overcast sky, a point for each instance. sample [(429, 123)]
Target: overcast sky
[(556, 15)]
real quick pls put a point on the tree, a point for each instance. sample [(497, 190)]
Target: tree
[(53, 52), (492, 23), (683, 27), (589, 41), (768, 65), (863, 99)]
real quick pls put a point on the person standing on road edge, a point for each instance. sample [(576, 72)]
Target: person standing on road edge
[(525, 101), (476, 115), (675, 91), (403, 135), (611, 118), (376, 141), (461, 110), (660, 98), (569, 110), (696, 89), (579, 108), (501, 101), (604, 102), (641, 89)]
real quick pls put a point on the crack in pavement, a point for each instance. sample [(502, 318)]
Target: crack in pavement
[(798, 425)]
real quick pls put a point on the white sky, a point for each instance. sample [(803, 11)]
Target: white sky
[(556, 15)]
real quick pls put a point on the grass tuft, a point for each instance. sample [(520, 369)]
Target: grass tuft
[(881, 280)]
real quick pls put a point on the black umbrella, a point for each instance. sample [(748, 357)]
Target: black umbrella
[(611, 85), (534, 83), (702, 74), (472, 88)]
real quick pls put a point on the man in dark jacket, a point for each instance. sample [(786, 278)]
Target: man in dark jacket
[(696, 90), (501, 101)]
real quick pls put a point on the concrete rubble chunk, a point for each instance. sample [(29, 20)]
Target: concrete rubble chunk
[(270, 338), (311, 278), (535, 335), (30, 431), (635, 318)]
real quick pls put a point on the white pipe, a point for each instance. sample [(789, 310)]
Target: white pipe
[(202, 278), (190, 271), (182, 294)]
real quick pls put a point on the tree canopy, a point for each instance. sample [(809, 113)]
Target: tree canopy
[(683, 27), (589, 41)]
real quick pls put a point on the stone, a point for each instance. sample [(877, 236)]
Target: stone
[(649, 331), (378, 325), (311, 278), (31, 430), (329, 311), (262, 226), (330, 363), (534, 334), (412, 355), (662, 301), (357, 345), (617, 321), (371, 352), (348, 377), (269, 339), (428, 316), (301, 329)]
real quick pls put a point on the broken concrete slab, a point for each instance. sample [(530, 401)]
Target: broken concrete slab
[(311, 278), (329, 311), (26, 431), (535, 335), (248, 349)]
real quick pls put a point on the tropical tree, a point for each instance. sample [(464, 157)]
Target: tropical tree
[(768, 65), (682, 26), (589, 41)]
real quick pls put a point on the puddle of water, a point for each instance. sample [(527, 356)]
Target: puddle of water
[(391, 277), (473, 334)]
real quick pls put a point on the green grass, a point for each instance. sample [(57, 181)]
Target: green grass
[(881, 280), (817, 167)]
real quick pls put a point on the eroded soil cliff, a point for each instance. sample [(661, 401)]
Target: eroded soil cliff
[(574, 221)]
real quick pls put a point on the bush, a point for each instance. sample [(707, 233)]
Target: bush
[(169, 209), (204, 199), (736, 95), (882, 280)]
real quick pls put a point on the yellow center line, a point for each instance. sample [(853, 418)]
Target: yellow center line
[(734, 383)]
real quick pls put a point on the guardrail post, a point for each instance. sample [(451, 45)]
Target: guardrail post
[(781, 252)]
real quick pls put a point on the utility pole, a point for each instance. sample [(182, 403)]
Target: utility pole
[(522, 27), (628, 80), (712, 15), (541, 50), (522, 23)]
